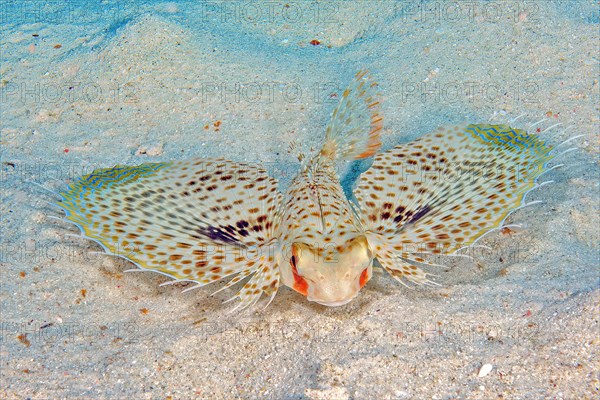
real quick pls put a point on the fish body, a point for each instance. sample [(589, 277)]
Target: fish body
[(327, 255), (203, 220)]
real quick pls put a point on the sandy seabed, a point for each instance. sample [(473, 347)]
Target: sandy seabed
[(93, 85)]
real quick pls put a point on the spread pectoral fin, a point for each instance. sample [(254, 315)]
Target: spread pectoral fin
[(196, 220), (445, 190)]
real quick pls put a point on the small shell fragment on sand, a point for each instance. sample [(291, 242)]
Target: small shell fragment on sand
[(484, 370), (150, 150)]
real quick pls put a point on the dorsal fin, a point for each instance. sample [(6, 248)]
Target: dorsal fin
[(356, 123)]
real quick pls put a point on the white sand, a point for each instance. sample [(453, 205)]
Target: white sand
[(131, 84)]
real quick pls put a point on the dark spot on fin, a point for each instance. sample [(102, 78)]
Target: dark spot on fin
[(419, 214), (217, 234)]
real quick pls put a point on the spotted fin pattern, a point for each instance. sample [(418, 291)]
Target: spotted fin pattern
[(195, 220), (356, 123), (443, 191)]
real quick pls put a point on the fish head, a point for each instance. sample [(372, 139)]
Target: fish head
[(330, 275)]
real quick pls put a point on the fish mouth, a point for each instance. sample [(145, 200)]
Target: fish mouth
[(334, 303)]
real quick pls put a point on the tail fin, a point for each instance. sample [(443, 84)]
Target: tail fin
[(356, 123)]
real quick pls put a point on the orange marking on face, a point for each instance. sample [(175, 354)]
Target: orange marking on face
[(300, 284), (364, 277)]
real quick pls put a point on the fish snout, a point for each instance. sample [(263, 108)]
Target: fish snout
[(334, 303), (333, 295)]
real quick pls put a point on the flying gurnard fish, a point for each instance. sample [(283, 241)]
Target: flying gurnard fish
[(202, 220)]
